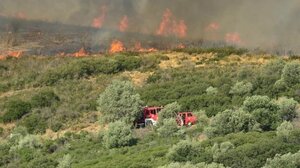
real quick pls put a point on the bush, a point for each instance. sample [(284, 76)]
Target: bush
[(190, 165), (168, 128), (230, 121), (120, 101), (284, 161), (264, 111), (119, 134), (284, 131), (34, 124), (241, 88), (169, 111), (184, 151), (65, 162), (44, 99), (291, 73), (219, 150), (15, 110), (287, 108), (129, 63)]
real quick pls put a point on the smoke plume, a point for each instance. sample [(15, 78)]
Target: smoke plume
[(255, 23)]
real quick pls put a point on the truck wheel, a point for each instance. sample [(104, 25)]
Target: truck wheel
[(149, 123)]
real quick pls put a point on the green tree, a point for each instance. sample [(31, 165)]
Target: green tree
[(44, 99), (168, 128), (288, 160), (241, 88), (65, 162), (285, 130), (291, 73), (220, 149), (15, 110), (212, 91), (119, 134), (169, 111), (264, 111), (185, 150), (230, 121), (287, 108), (120, 101)]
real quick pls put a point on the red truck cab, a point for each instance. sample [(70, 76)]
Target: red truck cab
[(186, 118)]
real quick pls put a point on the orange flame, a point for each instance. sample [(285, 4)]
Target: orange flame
[(21, 15), (98, 21), (81, 53), (180, 29), (233, 38), (116, 46), (123, 24), (170, 26), (181, 46), (212, 27), (138, 47), (16, 54)]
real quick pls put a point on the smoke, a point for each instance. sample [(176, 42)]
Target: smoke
[(255, 23)]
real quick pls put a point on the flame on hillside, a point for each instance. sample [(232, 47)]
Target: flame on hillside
[(170, 26), (123, 24), (233, 38), (138, 47), (15, 54), (81, 53), (99, 20), (214, 26), (117, 46)]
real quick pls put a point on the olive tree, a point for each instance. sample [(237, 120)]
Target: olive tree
[(119, 134), (285, 130), (288, 160), (264, 111), (183, 151), (241, 88), (291, 73), (287, 108), (169, 111), (230, 121), (120, 101)]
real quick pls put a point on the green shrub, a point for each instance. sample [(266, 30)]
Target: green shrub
[(168, 128), (120, 101), (241, 88), (285, 130), (287, 108), (129, 63), (169, 111), (184, 151), (288, 160), (34, 123), (119, 134), (15, 110), (65, 162), (230, 121), (44, 99), (265, 112), (291, 73)]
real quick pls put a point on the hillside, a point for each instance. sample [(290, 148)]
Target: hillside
[(246, 104)]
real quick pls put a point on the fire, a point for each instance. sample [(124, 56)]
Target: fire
[(16, 54), (170, 26), (233, 38), (181, 46), (98, 21), (81, 53), (123, 24), (214, 26), (21, 15), (180, 29), (116, 46), (138, 47)]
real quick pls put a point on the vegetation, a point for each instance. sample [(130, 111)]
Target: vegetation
[(248, 112)]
